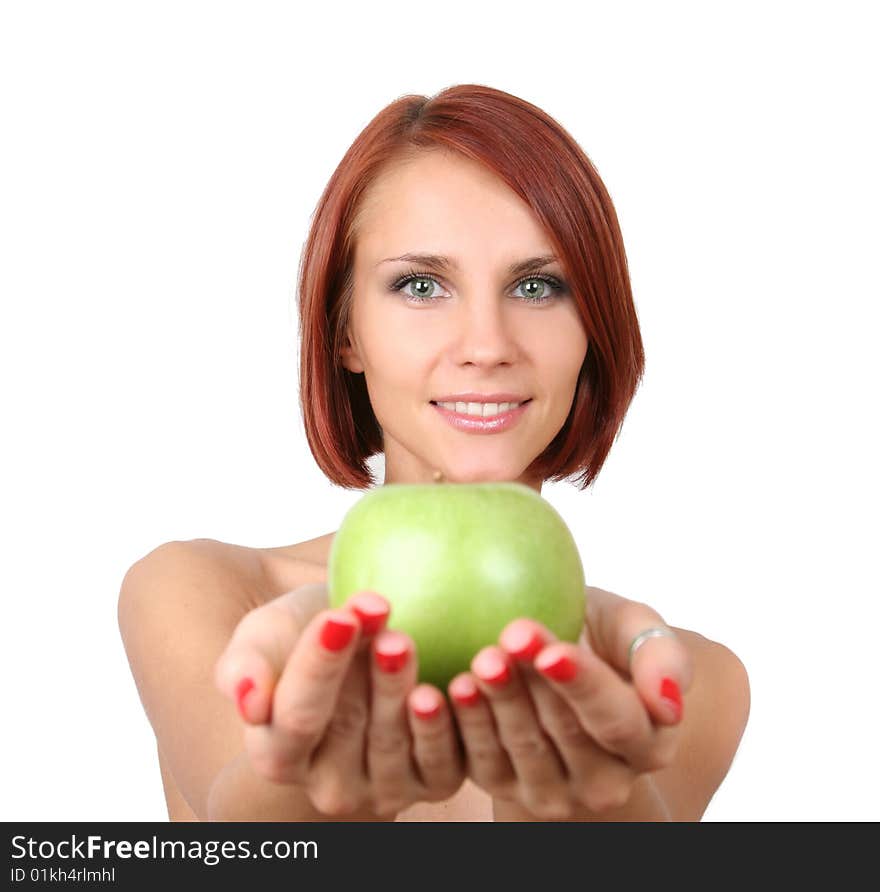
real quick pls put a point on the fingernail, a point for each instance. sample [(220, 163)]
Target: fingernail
[(491, 668), (372, 610), (424, 704), (563, 668), (672, 695), (244, 687), (465, 693), (392, 656), (335, 634), (523, 642)]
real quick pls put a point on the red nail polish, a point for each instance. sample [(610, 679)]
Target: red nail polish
[(425, 706), (466, 694), (492, 669), (372, 611), (335, 635), (523, 643), (392, 661), (672, 695), (243, 688), (561, 669)]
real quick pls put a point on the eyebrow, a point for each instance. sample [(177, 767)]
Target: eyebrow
[(438, 261)]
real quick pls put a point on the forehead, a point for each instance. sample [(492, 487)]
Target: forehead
[(443, 203)]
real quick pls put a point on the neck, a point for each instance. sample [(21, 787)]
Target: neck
[(437, 476)]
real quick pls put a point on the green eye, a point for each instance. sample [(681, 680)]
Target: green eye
[(551, 282)]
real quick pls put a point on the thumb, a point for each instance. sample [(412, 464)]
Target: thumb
[(306, 601), (371, 609)]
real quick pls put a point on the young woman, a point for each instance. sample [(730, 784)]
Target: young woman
[(465, 310)]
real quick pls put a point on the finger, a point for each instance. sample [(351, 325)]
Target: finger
[(538, 767), (280, 747), (661, 668), (597, 778), (254, 658), (523, 638), (306, 694), (435, 748), (372, 610), (337, 781), (389, 742), (607, 706), (486, 760)]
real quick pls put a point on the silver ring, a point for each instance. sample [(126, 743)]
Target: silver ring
[(639, 640)]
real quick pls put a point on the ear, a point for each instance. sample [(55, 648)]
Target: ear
[(351, 357)]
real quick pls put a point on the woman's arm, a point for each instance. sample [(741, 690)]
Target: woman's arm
[(240, 794), (177, 609), (715, 717)]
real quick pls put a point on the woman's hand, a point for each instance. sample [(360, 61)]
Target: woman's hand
[(555, 726), (329, 702)]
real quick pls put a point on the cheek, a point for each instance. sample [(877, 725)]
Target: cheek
[(399, 346), (395, 367), (559, 351)]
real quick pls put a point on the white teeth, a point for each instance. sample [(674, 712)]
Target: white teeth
[(480, 410)]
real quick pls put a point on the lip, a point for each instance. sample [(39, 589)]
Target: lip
[(495, 424), (481, 398)]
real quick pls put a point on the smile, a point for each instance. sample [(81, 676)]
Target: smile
[(486, 418)]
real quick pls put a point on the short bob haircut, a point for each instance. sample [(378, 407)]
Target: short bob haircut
[(543, 165)]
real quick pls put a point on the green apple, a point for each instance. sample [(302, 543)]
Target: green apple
[(457, 562)]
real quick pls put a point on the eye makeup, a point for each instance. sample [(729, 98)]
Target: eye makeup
[(557, 286)]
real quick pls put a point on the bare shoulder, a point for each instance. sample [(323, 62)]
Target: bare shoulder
[(261, 574), (721, 676), (289, 566), (178, 607), (716, 714), (726, 665), (205, 563), (604, 607)]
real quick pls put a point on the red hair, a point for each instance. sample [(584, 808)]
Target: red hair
[(542, 164)]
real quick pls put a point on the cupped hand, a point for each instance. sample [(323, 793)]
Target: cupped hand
[(556, 726), (330, 703)]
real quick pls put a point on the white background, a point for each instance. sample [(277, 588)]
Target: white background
[(160, 164)]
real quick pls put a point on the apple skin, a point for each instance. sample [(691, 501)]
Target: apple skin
[(457, 562)]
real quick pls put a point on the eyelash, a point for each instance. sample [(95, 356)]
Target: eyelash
[(404, 280)]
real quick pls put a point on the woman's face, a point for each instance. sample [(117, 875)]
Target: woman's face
[(472, 327)]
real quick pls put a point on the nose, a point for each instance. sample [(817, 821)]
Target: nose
[(486, 333)]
